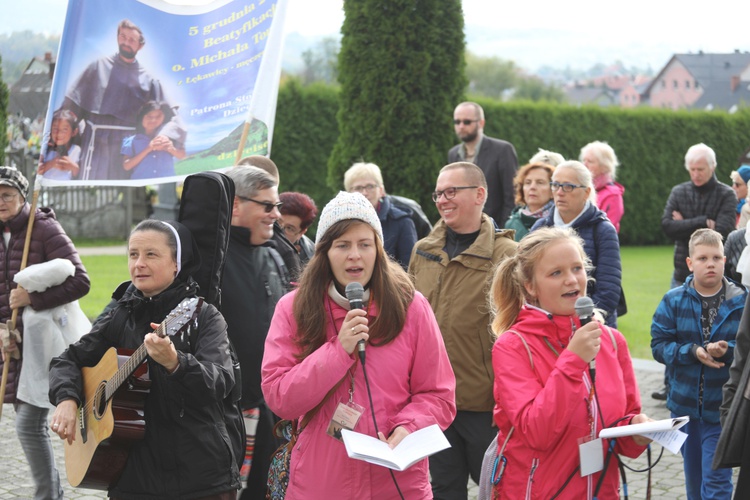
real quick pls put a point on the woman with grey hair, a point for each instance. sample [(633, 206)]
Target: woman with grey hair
[(398, 227), (601, 160), (573, 192)]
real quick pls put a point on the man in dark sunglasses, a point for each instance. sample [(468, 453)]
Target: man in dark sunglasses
[(495, 157), (254, 279)]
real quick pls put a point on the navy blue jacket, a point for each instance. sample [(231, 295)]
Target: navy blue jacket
[(398, 231), (603, 248), (675, 329)]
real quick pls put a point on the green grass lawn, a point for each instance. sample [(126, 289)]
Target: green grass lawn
[(105, 273), (646, 272)]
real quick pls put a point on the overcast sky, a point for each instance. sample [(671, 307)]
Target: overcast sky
[(533, 33)]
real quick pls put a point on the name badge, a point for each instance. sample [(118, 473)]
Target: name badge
[(346, 416), (592, 455)]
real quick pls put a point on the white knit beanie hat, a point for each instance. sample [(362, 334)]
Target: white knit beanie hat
[(348, 206)]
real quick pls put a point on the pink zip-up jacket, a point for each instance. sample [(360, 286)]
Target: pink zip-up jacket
[(609, 199), (549, 407), (412, 385)]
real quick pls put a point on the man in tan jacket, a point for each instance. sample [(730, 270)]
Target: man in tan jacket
[(453, 268)]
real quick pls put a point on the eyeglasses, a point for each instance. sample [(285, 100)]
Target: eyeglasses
[(267, 206), (449, 193), (8, 197), (362, 189), (567, 187), (465, 122), (289, 229)]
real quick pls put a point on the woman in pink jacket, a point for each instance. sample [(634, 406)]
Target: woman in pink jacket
[(544, 402), (311, 357), (601, 160)]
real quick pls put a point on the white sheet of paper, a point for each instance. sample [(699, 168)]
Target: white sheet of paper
[(671, 440), (668, 424)]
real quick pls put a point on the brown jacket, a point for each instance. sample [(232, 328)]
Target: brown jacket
[(457, 291)]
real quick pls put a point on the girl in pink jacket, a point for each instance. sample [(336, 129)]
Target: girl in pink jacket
[(544, 399), (311, 356)]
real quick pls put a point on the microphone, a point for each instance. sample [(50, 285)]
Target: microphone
[(355, 292), (585, 311)]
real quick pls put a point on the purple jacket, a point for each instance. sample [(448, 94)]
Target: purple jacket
[(412, 385), (48, 241)]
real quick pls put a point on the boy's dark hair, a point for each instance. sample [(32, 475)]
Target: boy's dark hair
[(704, 236)]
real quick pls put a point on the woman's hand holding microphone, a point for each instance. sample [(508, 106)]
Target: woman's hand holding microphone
[(353, 330)]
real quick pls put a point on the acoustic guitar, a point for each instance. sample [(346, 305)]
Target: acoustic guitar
[(111, 415)]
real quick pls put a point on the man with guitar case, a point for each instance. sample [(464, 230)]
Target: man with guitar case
[(194, 436)]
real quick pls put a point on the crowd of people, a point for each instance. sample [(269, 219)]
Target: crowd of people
[(472, 325)]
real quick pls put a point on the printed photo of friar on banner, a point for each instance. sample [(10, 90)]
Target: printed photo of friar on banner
[(146, 91)]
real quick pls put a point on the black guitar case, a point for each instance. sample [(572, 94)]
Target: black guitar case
[(206, 210)]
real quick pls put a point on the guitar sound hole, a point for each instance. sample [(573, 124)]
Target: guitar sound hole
[(100, 401)]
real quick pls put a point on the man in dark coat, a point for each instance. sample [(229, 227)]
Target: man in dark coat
[(495, 157), (701, 202), (253, 282)]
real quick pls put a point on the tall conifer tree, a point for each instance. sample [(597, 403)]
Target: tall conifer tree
[(3, 115), (401, 69)]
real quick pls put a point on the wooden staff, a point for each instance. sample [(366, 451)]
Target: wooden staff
[(14, 314), (243, 140)]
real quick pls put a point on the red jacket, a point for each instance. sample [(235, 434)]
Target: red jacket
[(48, 242), (549, 407)]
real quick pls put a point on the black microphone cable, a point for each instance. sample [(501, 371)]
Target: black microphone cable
[(372, 411)]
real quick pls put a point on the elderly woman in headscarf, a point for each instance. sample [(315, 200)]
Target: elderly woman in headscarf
[(186, 451)]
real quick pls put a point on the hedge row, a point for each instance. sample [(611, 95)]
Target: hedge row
[(649, 143)]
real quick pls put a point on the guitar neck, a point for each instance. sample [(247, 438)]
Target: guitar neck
[(127, 368)]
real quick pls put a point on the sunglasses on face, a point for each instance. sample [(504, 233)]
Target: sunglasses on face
[(465, 122), (267, 206)]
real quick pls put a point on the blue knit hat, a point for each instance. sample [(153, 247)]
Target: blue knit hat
[(744, 172)]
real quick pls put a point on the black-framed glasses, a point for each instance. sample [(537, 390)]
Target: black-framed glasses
[(464, 121), (362, 189), (449, 193), (267, 206), (567, 187)]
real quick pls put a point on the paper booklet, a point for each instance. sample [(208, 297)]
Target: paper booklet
[(413, 448), (665, 432)]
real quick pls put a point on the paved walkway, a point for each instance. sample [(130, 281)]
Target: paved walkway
[(667, 481)]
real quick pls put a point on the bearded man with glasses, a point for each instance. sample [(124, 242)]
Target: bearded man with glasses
[(496, 158), (453, 267)]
